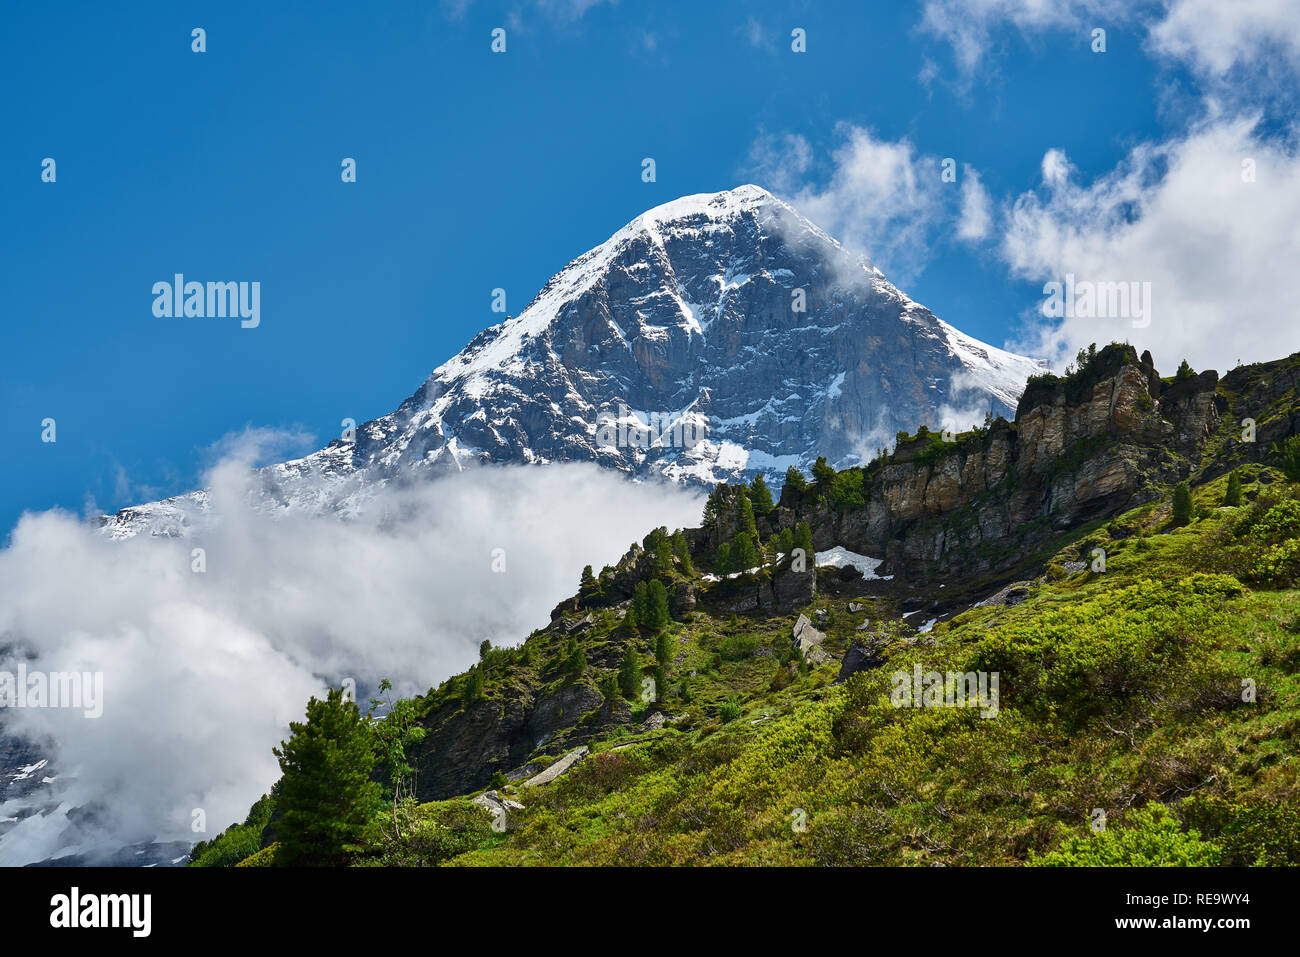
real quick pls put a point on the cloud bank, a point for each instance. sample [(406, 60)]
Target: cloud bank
[(203, 670)]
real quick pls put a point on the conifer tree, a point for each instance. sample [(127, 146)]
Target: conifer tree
[(1182, 505), (629, 675), (745, 514), (823, 474), (665, 648), (803, 538), (575, 662), (744, 555), (795, 479), (712, 506), (640, 604), (1232, 496), (473, 690), (760, 495), (784, 541), (656, 606), (683, 552), (722, 563), (326, 791), (588, 578)]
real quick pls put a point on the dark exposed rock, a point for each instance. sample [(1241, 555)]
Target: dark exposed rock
[(1010, 595), (863, 655)]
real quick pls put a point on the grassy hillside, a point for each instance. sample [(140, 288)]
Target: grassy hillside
[(1148, 711)]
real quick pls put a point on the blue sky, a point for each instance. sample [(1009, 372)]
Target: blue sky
[(479, 170)]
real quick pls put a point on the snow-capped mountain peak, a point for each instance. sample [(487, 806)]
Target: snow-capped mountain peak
[(712, 337)]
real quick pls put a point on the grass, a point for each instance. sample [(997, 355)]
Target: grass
[(1119, 690)]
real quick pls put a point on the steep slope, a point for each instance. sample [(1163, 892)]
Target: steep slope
[(711, 338), (1136, 664)]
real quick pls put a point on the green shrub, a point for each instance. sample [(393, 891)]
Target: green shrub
[(1149, 837), (738, 647), (1255, 833), (435, 834), (1288, 457), (1093, 654)]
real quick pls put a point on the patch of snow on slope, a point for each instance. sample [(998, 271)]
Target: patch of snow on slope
[(1000, 372), (839, 557)]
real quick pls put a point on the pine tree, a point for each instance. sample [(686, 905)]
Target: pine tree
[(744, 555), (575, 662), (1182, 505), (745, 514), (640, 604), (473, 690), (664, 557), (665, 648), (588, 578), (803, 538), (722, 563), (761, 495), (1184, 372), (656, 605), (683, 552), (823, 474), (326, 792), (712, 506), (1232, 496), (794, 479), (784, 541), (629, 675)]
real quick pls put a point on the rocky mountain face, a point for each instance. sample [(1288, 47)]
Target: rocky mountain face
[(969, 512), (1081, 448), (712, 338)]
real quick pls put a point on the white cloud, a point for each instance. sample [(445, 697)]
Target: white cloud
[(1212, 37), (1215, 37), (1218, 252), (970, 26), (203, 672), (976, 208), (881, 197)]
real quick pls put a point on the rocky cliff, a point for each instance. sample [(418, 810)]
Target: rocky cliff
[(1081, 447), (969, 512)]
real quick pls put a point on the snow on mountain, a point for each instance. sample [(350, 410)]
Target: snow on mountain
[(712, 337)]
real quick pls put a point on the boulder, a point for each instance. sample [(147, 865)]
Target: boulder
[(495, 800), (809, 641), (558, 768)]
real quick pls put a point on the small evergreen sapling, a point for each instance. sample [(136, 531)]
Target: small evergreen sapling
[(1232, 497), (1182, 505)]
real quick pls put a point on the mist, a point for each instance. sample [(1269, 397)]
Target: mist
[(207, 656)]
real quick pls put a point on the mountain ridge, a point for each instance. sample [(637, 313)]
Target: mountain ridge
[(727, 310), (1138, 657)]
